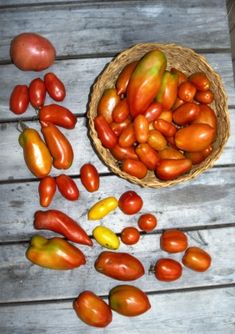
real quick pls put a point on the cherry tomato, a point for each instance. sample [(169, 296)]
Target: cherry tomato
[(19, 99), (177, 104), (46, 189), (173, 241), (121, 111), (147, 155), (170, 169), (107, 103), (141, 128), (166, 128), (124, 77), (166, 115), (156, 140), (195, 137), (67, 187), (204, 97), (105, 133), (186, 113), (127, 137), (170, 153), (153, 111), (198, 157), (122, 153), (58, 115), (37, 93), (135, 168), (200, 81), (54, 87), (206, 116), (130, 202), (92, 310), (130, 235), (196, 259), (181, 76), (119, 127), (186, 91), (147, 222), (90, 177), (168, 270)]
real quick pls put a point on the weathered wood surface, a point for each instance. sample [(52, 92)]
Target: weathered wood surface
[(79, 75), (24, 281), (192, 312), (97, 29)]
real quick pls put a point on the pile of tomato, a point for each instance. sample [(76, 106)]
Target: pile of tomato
[(156, 119)]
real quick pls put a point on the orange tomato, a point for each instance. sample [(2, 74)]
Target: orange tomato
[(127, 137), (186, 91), (196, 259), (186, 113), (107, 103), (156, 140), (166, 128), (147, 155), (170, 153), (166, 115), (204, 97), (170, 169), (177, 104), (200, 81), (141, 128), (181, 76), (121, 111), (135, 168)]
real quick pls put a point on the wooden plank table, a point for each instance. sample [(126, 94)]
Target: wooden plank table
[(87, 34)]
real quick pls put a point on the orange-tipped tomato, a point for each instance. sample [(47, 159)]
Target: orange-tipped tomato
[(148, 155), (141, 128), (181, 76), (107, 103), (166, 115), (200, 81), (135, 168), (124, 78), (170, 169), (170, 153), (156, 140), (186, 91), (196, 259), (46, 189), (168, 90), (186, 113), (173, 241)]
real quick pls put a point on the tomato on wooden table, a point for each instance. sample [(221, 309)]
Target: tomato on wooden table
[(46, 189), (147, 222), (37, 93), (173, 241), (67, 187), (54, 87), (130, 202), (168, 270), (90, 177), (130, 235), (58, 115), (19, 99), (196, 259)]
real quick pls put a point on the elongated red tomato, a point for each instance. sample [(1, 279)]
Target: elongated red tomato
[(206, 116), (105, 133), (198, 157), (58, 115), (46, 189), (166, 128), (148, 155), (186, 113), (195, 137), (200, 81), (123, 153), (186, 91), (170, 169), (170, 153), (54, 87), (153, 111), (124, 77), (135, 168), (119, 127), (168, 270), (107, 103), (19, 99), (168, 91), (156, 140), (141, 128), (90, 177), (173, 241), (37, 93), (121, 111), (206, 97), (127, 137), (196, 259), (67, 187)]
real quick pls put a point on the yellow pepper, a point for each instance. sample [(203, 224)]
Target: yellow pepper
[(102, 208), (106, 237)]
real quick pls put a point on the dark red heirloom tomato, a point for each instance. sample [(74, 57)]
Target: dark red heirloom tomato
[(105, 133), (130, 235), (168, 270), (92, 310), (90, 177), (130, 202), (186, 91), (135, 168), (19, 99), (173, 241), (196, 259), (37, 93), (147, 222), (54, 87), (67, 187), (46, 189)]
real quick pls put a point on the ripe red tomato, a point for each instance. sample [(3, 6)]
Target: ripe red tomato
[(92, 310), (107, 103), (166, 128), (170, 153), (148, 155), (90, 177), (156, 140), (170, 169), (147, 222), (166, 115), (127, 137), (121, 111), (135, 168), (46, 189), (124, 78), (196, 259), (206, 116), (119, 127), (19, 99), (130, 202), (200, 81), (173, 241), (186, 113), (153, 112), (168, 270), (58, 115), (186, 91), (197, 157), (54, 87), (105, 133), (37, 93), (130, 235), (67, 187), (141, 128), (122, 153), (206, 97)]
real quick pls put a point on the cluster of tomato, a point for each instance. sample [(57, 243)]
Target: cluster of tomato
[(157, 120)]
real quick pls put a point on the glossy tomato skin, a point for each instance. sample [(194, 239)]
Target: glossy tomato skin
[(46, 189), (153, 111), (170, 169), (105, 133), (130, 235), (120, 266), (206, 116), (123, 153), (170, 153), (166, 128), (168, 270), (141, 128), (130, 202), (198, 157), (186, 91), (168, 91), (200, 81), (147, 222), (121, 111), (128, 300), (156, 140), (67, 187), (206, 97), (195, 137), (124, 77), (135, 168), (186, 113), (37, 93), (106, 237), (166, 115), (58, 115), (107, 103), (54, 87), (90, 177), (102, 208), (127, 137), (148, 155), (92, 310), (173, 241), (19, 99), (119, 127), (196, 259)]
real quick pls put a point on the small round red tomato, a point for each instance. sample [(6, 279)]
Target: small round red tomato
[(92, 310), (105, 133), (90, 177), (46, 189), (196, 259), (200, 81), (130, 235), (107, 103), (127, 137), (122, 153), (204, 97), (168, 270), (135, 168), (19, 99), (130, 202), (153, 112), (67, 187), (173, 241), (147, 222), (54, 87), (121, 111), (186, 91), (141, 128), (37, 93)]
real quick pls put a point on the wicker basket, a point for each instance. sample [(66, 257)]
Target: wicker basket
[(183, 59)]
